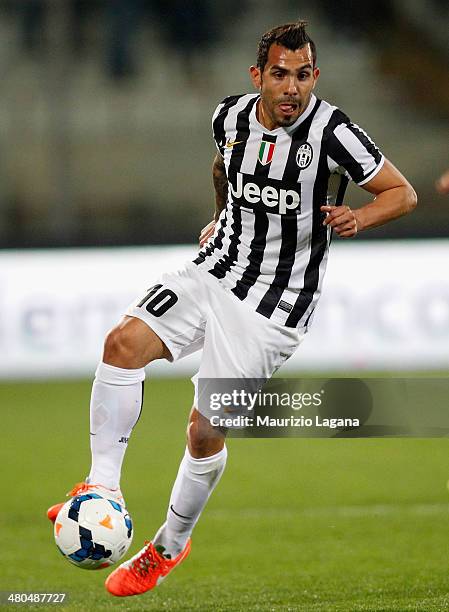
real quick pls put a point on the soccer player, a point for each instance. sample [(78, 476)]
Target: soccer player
[(284, 159)]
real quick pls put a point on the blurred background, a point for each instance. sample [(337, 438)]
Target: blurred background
[(106, 104), (105, 141)]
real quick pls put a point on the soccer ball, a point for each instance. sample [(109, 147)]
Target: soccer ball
[(92, 531)]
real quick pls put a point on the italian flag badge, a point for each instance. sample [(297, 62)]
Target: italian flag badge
[(266, 152)]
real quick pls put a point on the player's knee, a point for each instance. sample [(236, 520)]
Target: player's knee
[(119, 347), (132, 344), (203, 440), (196, 440)]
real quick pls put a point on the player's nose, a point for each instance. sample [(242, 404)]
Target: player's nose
[(292, 87)]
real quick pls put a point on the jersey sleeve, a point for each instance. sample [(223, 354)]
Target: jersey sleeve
[(218, 122), (353, 153), (217, 133)]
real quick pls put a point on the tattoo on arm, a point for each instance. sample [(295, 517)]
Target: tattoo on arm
[(220, 184)]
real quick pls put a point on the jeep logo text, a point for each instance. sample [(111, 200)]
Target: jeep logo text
[(282, 199)]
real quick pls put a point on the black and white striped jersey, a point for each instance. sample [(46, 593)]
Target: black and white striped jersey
[(270, 246)]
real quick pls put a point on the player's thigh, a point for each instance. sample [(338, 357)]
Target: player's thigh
[(241, 343), (172, 310)]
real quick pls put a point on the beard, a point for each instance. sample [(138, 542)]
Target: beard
[(283, 111), (287, 118), (286, 121)]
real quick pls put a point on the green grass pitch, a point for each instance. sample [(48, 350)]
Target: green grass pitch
[(308, 525)]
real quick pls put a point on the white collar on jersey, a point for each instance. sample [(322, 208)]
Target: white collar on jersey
[(253, 118)]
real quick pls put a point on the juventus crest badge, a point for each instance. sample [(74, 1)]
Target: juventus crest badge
[(304, 156)]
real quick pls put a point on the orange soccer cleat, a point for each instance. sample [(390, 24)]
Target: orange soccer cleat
[(84, 487), (144, 571)]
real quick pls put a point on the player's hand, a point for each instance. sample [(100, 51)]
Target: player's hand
[(206, 233), (342, 219), (442, 184)]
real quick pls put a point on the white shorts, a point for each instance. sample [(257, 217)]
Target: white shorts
[(190, 310)]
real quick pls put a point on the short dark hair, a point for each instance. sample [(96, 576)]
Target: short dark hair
[(290, 35)]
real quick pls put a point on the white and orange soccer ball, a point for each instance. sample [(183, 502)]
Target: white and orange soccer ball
[(92, 531)]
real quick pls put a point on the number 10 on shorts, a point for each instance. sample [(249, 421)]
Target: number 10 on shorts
[(158, 302)]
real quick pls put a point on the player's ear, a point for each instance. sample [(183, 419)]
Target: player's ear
[(316, 74), (255, 74)]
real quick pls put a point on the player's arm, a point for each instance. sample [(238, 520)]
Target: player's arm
[(220, 181), (394, 197)]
